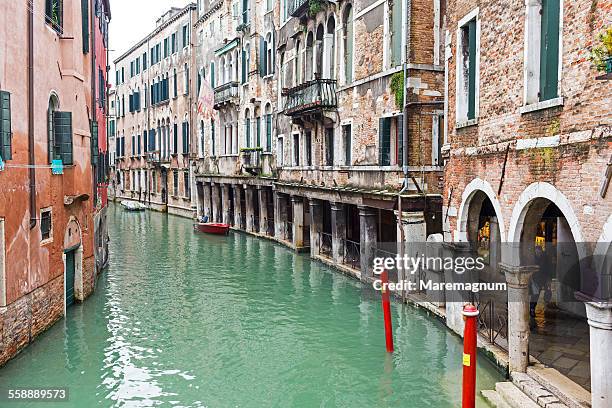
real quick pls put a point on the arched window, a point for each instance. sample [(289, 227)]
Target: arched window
[(230, 70), (222, 69), (257, 127), (268, 112), (331, 47), (283, 76), (53, 106), (309, 56), (247, 128), (212, 135), (347, 22), (299, 62), (319, 50), (212, 74), (269, 54)]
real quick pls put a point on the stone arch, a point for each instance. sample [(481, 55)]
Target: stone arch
[(73, 242), (471, 191)]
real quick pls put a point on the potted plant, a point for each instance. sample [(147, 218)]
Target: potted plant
[(601, 55)]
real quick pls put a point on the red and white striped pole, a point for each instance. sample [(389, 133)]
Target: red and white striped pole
[(386, 304), (470, 315)]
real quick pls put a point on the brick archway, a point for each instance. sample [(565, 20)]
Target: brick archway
[(471, 190)]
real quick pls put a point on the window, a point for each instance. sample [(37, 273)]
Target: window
[(329, 146), (245, 12), (346, 136), (308, 147), (185, 36), (185, 138), (390, 140), (85, 25), (122, 74), (268, 128), (212, 136), (247, 129), (46, 225), (175, 84), (296, 149), (175, 138), (280, 153), (258, 131), (187, 186), (437, 139), (6, 135), (173, 44), (266, 55), (348, 44), (330, 45), (54, 14), (542, 51), (298, 64), (101, 90), (468, 44), (396, 33), (60, 133), (166, 47), (245, 63), (186, 84), (144, 61), (175, 182)]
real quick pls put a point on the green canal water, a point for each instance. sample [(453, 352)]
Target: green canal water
[(189, 320)]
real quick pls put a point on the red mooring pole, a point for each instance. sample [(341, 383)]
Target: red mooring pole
[(470, 315), (384, 278)]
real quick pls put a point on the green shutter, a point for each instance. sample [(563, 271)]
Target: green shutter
[(549, 50), (269, 132), (5, 126), (258, 131), (247, 132), (62, 133), (262, 57), (85, 24), (94, 143), (244, 67), (471, 26), (384, 141), (400, 140)]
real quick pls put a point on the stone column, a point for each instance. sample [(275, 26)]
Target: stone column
[(237, 207), (280, 223), (216, 202), (208, 201), (517, 278), (298, 221), (263, 210), (316, 225), (199, 199), (338, 224), (367, 240), (599, 315), (225, 203), (250, 215)]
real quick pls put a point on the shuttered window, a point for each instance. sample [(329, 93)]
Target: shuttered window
[(471, 36), (5, 126), (384, 141), (263, 51), (258, 131), (549, 51), (244, 67), (62, 137), (185, 137), (400, 139), (94, 143), (269, 132), (175, 138), (247, 131), (85, 25)]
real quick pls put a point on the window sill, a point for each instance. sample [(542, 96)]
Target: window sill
[(46, 242), (467, 123), (534, 107)]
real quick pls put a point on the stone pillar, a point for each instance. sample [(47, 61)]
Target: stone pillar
[(208, 201), (599, 315), (216, 202), (237, 207), (225, 203), (280, 223), (263, 210), (367, 240), (316, 225), (338, 224), (298, 221), (517, 278), (199, 200), (250, 215)]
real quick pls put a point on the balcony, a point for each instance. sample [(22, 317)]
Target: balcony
[(226, 94), (311, 97), (155, 158), (251, 160), (298, 8)]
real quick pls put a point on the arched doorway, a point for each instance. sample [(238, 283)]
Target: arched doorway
[(550, 238), (480, 226)]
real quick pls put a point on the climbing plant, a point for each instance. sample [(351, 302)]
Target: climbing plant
[(397, 87), (314, 6), (601, 55)]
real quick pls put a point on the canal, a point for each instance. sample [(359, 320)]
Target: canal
[(189, 320)]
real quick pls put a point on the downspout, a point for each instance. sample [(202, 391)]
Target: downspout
[(93, 97), (406, 18), (31, 153)]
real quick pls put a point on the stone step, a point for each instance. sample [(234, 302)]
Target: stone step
[(567, 391), (513, 396), (534, 390), (494, 399)]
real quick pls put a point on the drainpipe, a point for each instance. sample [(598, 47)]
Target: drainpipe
[(406, 17), (32, 157)]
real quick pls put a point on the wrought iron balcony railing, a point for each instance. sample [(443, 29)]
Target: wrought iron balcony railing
[(316, 95), (155, 157), (225, 94), (297, 8)]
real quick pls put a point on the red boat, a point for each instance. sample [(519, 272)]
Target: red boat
[(212, 228)]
